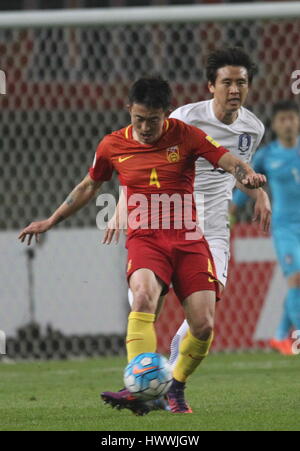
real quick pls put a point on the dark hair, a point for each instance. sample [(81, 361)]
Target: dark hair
[(285, 105), (152, 92), (231, 56)]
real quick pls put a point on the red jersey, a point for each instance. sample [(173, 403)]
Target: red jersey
[(164, 167)]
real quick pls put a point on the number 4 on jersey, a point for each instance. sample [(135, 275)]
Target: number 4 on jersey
[(154, 178)]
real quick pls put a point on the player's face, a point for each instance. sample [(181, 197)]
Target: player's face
[(286, 124), (147, 123), (231, 88)]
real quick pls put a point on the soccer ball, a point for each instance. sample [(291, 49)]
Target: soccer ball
[(148, 376)]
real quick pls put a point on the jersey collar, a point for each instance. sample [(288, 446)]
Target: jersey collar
[(129, 130)]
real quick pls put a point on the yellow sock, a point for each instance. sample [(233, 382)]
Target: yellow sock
[(141, 336), (191, 353)]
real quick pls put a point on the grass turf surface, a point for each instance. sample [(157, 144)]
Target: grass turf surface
[(249, 391)]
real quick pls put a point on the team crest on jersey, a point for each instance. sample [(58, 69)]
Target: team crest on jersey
[(244, 142), (173, 155)]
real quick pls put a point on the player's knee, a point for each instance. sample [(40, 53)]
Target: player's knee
[(203, 329), (144, 299), (205, 333)]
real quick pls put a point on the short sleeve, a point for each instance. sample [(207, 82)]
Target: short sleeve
[(204, 146), (102, 167)]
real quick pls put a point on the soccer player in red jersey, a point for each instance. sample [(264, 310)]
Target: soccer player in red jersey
[(156, 156)]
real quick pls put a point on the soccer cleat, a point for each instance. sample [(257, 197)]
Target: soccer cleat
[(176, 400), (282, 346), (123, 399)]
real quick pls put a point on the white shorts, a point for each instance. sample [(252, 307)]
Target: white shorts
[(220, 249)]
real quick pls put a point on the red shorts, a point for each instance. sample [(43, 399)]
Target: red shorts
[(188, 264)]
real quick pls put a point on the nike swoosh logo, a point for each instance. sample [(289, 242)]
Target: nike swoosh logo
[(121, 159), (137, 370), (133, 339), (195, 358)]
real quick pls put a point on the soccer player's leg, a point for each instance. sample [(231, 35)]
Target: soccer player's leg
[(160, 403), (287, 243), (146, 288), (141, 335), (159, 307), (199, 308), (196, 286), (219, 249), (149, 274)]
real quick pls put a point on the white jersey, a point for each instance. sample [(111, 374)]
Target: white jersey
[(215, 186)]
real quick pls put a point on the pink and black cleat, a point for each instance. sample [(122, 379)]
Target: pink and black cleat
[(176, 399), (125, 400)]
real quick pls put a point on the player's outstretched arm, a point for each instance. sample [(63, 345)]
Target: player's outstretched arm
[(79, 197), (241, 171)]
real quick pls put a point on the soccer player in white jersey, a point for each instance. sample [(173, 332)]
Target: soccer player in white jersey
[(229, 72)]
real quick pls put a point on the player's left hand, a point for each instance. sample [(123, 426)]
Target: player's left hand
[(254, 180), (263, 210), (112, 230)]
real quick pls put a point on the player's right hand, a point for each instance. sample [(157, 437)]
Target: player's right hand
[(34, 229), (263, 210), (254, 180)]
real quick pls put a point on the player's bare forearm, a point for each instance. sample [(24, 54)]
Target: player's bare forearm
[(241, 171), (79, 197)]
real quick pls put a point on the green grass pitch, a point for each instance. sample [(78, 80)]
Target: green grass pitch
[(249, 391)]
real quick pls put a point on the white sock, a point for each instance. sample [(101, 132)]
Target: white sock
[(175, 343), (130, 297)]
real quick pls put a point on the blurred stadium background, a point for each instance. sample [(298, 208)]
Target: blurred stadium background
[(66, 88)]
